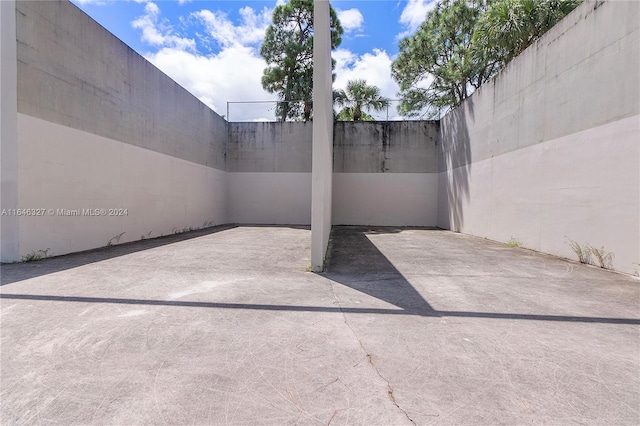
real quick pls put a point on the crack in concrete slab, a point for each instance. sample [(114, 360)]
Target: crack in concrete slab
[(369, 358)]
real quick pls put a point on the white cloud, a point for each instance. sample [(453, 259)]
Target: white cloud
[(231, 75), (250, 31), (159, 33), (374, 67), (414, 14), (351, 19)]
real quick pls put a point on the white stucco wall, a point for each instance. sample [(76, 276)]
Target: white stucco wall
[(98, 127), (9, 238), (322, 158), (74, 72), (582, 187), (269, 173), (385, 199), (548, 151), (65, 168), (384, 173), (269, 198)]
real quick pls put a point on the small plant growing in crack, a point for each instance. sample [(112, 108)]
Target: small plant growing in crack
[(35, 255), (582, 251), (605, 258), (185, 229), (115, 240), (513, 242)]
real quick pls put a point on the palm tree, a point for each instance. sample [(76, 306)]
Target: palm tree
[(359, 96), (508, 27), (346, 114)]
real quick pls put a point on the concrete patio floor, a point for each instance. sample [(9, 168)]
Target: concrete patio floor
[(408, 326)]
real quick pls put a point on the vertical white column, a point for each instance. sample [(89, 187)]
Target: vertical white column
[(322, 163), (8, 131)]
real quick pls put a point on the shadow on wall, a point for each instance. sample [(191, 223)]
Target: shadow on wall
[(455, 165)]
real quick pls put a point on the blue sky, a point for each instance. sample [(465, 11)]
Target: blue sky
[(212, 47)]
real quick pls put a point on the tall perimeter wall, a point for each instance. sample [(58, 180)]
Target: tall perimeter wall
[(549, 150), (383, 173), (269, 175), (98, 127)]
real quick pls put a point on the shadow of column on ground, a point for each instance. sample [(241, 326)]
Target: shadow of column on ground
[(355, 262)]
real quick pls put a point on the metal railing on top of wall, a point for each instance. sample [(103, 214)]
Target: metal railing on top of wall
[(247, 111)]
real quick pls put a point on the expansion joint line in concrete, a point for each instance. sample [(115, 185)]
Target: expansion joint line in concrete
[(369, 357)]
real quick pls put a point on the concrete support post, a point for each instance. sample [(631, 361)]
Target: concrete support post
[(9, 246), (322, 163)]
